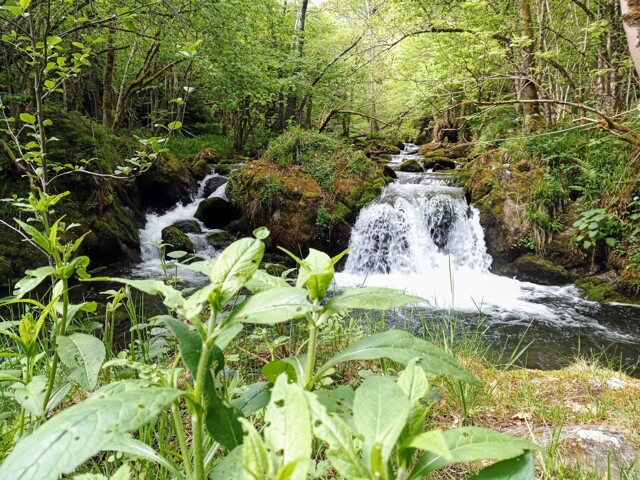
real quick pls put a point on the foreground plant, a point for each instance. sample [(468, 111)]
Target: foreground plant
[(372, 432)]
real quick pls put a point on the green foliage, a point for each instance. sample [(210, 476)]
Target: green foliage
[(183, 146), (597, 225), (298, 147)]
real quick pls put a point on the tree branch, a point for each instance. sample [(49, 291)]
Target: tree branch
[(325, 119)]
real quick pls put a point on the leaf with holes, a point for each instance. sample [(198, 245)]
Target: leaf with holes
[(518, 468), (83, 354), (76, 434)]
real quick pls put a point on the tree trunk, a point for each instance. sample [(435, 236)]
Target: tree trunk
[(373, 123), (631, 21), (107, 82), (529, 91)]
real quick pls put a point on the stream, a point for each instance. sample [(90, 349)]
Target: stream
[(421, 236)]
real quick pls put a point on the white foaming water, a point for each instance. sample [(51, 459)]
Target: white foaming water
[(155, 222), (421, 236)]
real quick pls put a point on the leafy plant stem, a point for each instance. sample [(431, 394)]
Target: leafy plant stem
[(177, 422), (311, 352), (60, 330)]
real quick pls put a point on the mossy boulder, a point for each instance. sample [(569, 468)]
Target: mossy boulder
[(410, 166), (209, 155), (309, 198), (436, 164), (532, 268), (200, 169), (176, 240), (188, 226), (427, 148), (166, 183), (440, 152), (219, 240), (216, 212)]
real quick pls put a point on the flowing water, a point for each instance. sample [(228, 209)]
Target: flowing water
[(421, 236)]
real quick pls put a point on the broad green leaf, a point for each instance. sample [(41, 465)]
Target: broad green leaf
[(171, 297), (190, 346), (230, 467), (402, 347), (59, 394), (31, 395), (272, 306), (234, 267), (380, 411), (31, 280), (262, 281), (293, 367), (254, 398), (127, 444), (74, 309), (27, 118), (255, 463), (518, 468), (83, 354), (223, 421), (432, 441), (338, 400), (467, 444), (331, 429), (67, 440), (316, 272), (288, 431), (123, 473), (371, 298), (175, 125), (413, 382)]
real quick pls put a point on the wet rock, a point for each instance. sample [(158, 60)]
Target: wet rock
[(458, 150), (166, 183), (430, 147), (410, 166), (381, 149), (413, 151), (213, 184), (216, 212), (531, 268), (209, 155), (219, 240), (200, 169), (436, 164), (440, 152), (387, 171), (177, 240), (187, 226), (599, 447)]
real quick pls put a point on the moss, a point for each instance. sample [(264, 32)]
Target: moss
[(598, 290), (177, 240)]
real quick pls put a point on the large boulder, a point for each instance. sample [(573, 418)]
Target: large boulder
[(208, 155), (531, 268), (176, 240), (411, 166), (216, 212), (439, 163), (213, 184), (219, 240), (188, 226), (166, 183)]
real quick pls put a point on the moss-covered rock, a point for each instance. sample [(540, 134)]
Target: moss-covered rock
[(176, 240), (219, 240), (187, 226), (436, 164), (532, 268), (200, 169), (166, 183), (410, 166), (308, 202), (208, 155), (216, 212)]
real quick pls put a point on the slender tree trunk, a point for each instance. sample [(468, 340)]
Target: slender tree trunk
[(107, 82), (529, 91), (373, 123), (631, 21)]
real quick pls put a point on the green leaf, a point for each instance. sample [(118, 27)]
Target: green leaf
[(331, 429), (518, 468), (175, 125), (31, 395), (272, 306), (76, 434), (371, 299), (223, 421), (380, 411), (288, 431), (28, 118), (230, 468), (31, 280), (190, 346), (127, 444), (293, 367), (83, 354), (467, 444), (234, 267), (402, 347), (256, 463), (262, 281), (254, 398), (413, 382), (432, 441)]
